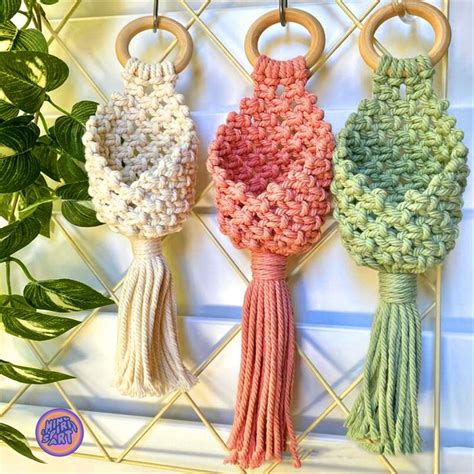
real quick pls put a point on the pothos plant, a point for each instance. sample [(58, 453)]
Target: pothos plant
[(41, 167)]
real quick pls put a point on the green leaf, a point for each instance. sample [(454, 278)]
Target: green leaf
[(31, 375), (74, 191), (13, 438), (13, 39), (15, 140), (28, 324), (7, 110), (46, 153), (15, 301), (8, 8), (5, 203), (14, 237), (21, 121), (67, 168), (70, 170), (26, 76), (56, 163), (80, 215), (75, 207), (69, 129), (18, 167), (63, 295), (49, 2), (33, 195), (17, 172)]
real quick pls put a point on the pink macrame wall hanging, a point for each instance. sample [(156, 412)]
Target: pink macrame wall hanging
[(271, 166)]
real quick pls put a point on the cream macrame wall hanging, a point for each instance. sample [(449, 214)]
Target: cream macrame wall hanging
[(141, 161)]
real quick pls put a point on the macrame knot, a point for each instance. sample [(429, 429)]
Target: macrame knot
[(142, 73), (268, 266), (268, 69), (146, 248), (397, 287), (420, 68)]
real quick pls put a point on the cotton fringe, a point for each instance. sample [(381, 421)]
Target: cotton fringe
[(148, 360), (384, 418), (262, 423)]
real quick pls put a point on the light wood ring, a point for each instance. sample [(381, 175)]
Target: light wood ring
[(318, 39), (431, 14), (131, 29)]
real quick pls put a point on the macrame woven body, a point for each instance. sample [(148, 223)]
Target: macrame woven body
[(271, 166), (400, 171), (141, 161)]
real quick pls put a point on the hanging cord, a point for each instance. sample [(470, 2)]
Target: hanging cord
[(281, 7), (156, 4)]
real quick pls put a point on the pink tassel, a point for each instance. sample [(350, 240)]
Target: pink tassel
[(262, 423)]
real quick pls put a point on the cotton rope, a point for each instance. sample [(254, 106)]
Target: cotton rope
[(271, 166), (141, 161), (400, 171)]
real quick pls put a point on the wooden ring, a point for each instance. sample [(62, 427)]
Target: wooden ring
[(305, 19), (131, 29), (431, 14)]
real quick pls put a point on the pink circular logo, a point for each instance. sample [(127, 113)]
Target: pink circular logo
[(59, 432)]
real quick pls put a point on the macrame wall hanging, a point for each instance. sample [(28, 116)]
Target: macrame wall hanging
[(271, 166), (141, 161), (400, 171)]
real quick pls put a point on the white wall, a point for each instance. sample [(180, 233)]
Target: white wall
[(334, 299)]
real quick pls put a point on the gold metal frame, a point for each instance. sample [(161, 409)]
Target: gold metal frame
[(171, 399)]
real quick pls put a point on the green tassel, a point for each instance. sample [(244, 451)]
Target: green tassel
[(384, 418)]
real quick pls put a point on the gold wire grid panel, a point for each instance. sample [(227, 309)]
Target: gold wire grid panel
[(170, 399)]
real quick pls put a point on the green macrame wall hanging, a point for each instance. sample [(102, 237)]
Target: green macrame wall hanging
[(400, 171)]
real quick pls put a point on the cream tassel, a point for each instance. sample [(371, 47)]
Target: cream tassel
[(148, 360)]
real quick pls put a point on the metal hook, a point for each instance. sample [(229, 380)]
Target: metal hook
[(282, 6), (155, 15), (402, 12)]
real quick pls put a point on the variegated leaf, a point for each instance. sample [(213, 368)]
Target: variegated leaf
[(8, 8), (63, 295), (75, 206), (14, 237), (31, 375), (69, 129), (32, 197), (13, 438), (14, 39), (26, 76), (28, 324)]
